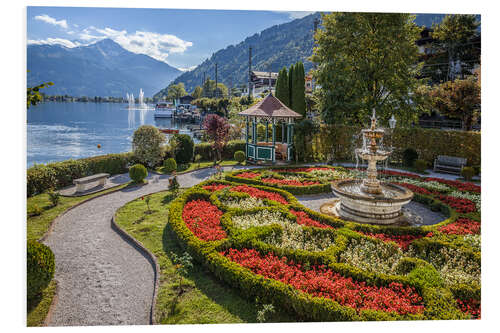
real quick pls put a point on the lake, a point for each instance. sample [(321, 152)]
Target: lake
[(59, 131)]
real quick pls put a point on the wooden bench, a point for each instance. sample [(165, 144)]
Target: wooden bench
[(81, 182), (449, 164)]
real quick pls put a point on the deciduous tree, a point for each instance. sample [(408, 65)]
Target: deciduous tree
[(217, 129), (366, 61)]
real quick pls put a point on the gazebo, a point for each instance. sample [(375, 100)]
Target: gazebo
[(272, 111)]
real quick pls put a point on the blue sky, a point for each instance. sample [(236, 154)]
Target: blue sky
[(182, 38)]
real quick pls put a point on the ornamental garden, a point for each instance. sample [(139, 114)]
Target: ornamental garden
[(252, 233)]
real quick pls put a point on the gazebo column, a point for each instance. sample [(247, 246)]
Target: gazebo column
[(246, 137), (289, 140), (274, 141), (254, 131), (267, 129), (282, 132)]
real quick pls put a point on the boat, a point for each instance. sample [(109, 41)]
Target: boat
[(164, 110), (169, 130)]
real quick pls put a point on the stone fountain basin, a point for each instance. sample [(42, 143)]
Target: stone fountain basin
[(380, 155), (356, 205)]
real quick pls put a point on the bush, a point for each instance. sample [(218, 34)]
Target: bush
[(169, 165), (468, 173), (183, 148), (40, 268), (147, 145), (138, 172), (239, 156), (410, 155), (35, 210), (420, 165), (56, 175), (477, 169), (54, 197)]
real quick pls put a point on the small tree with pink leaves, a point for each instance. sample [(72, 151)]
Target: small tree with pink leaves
[(217, 129)]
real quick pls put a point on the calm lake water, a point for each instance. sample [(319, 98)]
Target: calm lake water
[(61, 131)]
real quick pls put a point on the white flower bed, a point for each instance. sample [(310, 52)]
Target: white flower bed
[(293, 235), (431, 186), (454, 266), (246, 203), (473, 241), (327, 174), (368, 255), (476, 198)]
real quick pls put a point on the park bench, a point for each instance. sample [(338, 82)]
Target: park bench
[(81, 182), (449, 164)]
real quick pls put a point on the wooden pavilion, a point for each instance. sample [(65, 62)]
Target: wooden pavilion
[(272, 111)]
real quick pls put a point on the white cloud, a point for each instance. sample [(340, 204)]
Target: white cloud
[(54, 41), (155, 45), (50, 20), (296, 14), (186, 69)]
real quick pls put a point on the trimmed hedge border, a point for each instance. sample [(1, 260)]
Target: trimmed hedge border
[(439, 301)]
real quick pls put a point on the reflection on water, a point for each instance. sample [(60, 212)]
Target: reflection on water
[(60, 131)]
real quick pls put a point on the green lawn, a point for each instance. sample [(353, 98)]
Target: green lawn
[(38, 225), (205, 300), (195, 166)]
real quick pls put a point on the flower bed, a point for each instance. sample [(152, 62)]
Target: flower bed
[(292, 182), (462, 226), (338, 270), (459, 204), (320, 281), (203, 219), (461, 186), (261, 194), (471, 307), (249, 175)]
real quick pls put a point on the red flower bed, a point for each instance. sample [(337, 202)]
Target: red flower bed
[(462, 226), (304, 219), (302, 169), (470, 306), (415, 188), (323, 282), (459, 204), (247, 174), (215, 187), (402, 240), (203, 219), (289, 182), (256, 193), (458, 185), (399, 174)]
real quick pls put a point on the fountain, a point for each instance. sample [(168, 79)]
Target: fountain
[(131, 101), (142, 105), (369, 200)]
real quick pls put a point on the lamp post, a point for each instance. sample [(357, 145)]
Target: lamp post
[(392, 125)]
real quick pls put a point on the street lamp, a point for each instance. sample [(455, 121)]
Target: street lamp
[(392, 122)]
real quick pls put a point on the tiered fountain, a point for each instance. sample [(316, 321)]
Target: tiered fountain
[(369, 200)]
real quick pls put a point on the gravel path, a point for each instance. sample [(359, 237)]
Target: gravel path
[(103, 279)]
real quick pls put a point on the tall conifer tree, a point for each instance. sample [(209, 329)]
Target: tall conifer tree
[(290, 86), (282, 90), (298, 96)]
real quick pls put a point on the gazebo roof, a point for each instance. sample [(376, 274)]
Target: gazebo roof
[(272, 107)]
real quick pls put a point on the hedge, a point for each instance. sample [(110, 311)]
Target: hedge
[(439, 302), (205, 150), (61, 174), (428, 143), (40, 268)]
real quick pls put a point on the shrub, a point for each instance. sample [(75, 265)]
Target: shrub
[(56, 175), (138, 172), (35, 210), (239, 156), (40, 268), (197, 159), (147, 145), (54, 197), (173, 185), (410, 155), (477, 169), (169, 165), (468, 173), (420, 165), (183, 148)]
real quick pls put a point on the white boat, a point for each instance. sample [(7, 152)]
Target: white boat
[(164, 110)]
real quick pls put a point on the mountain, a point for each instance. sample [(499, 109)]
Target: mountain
[(275, 47), (100, 69)]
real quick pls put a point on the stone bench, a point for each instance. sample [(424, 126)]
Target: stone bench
[(81, 182), (449, 164)]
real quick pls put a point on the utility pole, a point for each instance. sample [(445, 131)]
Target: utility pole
[(316, 23), (216, 93), (249, 69)]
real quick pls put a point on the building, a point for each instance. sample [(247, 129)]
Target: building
[(259, 82)]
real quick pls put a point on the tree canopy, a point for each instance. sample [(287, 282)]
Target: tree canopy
[(197, 93), (176, 91), (366, 61), (33, 95)]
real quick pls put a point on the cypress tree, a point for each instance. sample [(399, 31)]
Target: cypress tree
[(290, 86), (298, 89), (282, 91)]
